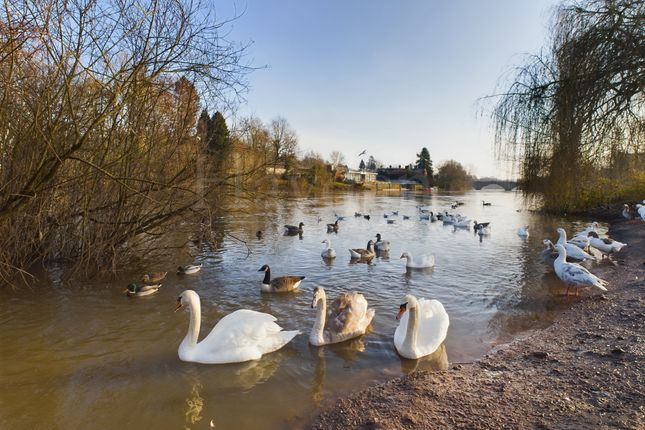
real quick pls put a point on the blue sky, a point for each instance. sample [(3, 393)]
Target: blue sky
[(386, 76)]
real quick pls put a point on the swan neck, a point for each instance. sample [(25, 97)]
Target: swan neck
[(412, 330), (317, 335), (195, 322)]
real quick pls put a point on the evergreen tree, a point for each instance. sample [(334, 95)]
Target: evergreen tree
[(202, 127), (218, 133), (424, 163), (362, 165)]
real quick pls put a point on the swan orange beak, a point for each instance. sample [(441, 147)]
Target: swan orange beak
[(402, 309), (179, 305)]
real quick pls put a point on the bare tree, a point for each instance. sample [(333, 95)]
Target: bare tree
[(97, 123), (283, 141)]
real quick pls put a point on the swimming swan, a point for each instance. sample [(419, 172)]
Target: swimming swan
[(240, 336), (348, 317), (422, 328)]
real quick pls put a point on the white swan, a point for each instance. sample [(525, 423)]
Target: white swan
[(418, 262), (523, 231), (328, 252), (422, 328), (574, 274), (347, 318), (240, 336), (572, 250), (381, 245)]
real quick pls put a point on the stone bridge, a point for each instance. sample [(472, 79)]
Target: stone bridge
[(507, 185)]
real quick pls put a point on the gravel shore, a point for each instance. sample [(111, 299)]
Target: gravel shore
[(584, 371)]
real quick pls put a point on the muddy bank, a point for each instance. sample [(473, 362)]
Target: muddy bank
[(584, 371)]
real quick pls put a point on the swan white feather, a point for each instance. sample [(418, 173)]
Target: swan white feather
[(423, 333), (240, 336)]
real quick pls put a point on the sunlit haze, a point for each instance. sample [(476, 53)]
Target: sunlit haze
[(388, 77)]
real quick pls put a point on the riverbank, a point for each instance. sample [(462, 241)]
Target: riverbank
[(584, 371)]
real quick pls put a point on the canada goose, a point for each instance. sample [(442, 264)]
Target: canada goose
[(479, 225), (281, 284), (365, 254), (292, 229), (381, 245), (332, 227)]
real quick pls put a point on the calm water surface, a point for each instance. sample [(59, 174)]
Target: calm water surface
[(85, 356)]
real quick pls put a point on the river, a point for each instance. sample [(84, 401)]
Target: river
[(83, 355)]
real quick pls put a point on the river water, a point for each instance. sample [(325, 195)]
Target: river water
[(85, 356)]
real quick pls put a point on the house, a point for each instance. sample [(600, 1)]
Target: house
[(360, 177)]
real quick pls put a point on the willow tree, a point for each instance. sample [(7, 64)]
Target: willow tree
[(573, 115), (98, 110)]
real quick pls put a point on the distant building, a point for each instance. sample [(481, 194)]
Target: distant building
[(360, 177)]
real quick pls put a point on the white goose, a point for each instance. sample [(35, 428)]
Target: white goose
[(572, 250), (422, 328), (625, 213), (605, 245), (641, 210), (523, 231), (347, 318), (240, 336), (574, 274), (418, 262), (328, 252)]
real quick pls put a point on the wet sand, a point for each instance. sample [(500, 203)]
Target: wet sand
[(584, 371)]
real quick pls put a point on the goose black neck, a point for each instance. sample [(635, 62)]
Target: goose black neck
[(267, 276)]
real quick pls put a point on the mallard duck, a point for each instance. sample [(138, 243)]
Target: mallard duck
[(154, 277), (189, 269), (364, 254), (328, 252), (348, 317), (281, 284), (605, 245), (418, 262), (574, 274), (240, 336), (292, 229), (572, 250), (139, 290), (422, 328), (381, 245)]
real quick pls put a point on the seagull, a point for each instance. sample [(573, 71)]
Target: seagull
[(363, 153)]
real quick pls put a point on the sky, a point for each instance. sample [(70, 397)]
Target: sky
[(389, 77)]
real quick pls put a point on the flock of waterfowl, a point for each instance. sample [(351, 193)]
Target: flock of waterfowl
[(246, 334)]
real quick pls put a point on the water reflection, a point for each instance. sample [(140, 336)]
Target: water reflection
[(438, 360)]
